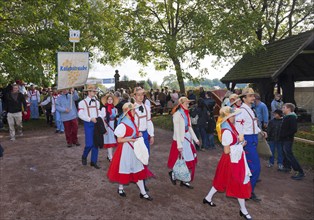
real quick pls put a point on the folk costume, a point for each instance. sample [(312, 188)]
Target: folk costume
[(125, 167), (89, 109), (110, 114), (183, 137), (246, 124), (34, 99), (143, 120), (232, 173)]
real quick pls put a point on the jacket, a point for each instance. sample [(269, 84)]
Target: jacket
[(99, 131), (13, 106), (273, 130), (179, 129), (289, 127)]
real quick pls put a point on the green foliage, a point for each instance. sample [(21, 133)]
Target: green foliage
[(163, 121), (31, 32), (170, 81)]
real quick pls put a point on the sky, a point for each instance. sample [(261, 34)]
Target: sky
[(131, 69)]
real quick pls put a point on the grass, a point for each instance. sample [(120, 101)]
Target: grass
[(303, 152)]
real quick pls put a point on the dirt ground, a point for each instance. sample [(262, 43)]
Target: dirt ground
[(43, 179)]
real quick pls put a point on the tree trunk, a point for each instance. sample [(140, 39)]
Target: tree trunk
[(177, 66)]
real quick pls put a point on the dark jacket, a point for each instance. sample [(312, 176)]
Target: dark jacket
[(203, 117), (211, 125), (289, 127), (273, 129), (13, 106), (99, 131), (119, 106)]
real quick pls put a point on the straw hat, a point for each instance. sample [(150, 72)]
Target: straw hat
[(105, 97), (90, 87), (184, 99), (138, 90), (247, 91), (227, 112), (233, 97), (128, 107)]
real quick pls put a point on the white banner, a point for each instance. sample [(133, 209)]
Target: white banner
[(74, 36), (72, 69)]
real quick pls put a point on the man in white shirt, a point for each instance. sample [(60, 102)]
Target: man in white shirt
[(246, 124), (88, 111), (142, 118)]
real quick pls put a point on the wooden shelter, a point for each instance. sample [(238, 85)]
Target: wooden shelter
[(279, 63)]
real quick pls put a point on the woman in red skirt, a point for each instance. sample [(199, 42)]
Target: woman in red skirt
[(125, 167), (183, 137), (232, 173)]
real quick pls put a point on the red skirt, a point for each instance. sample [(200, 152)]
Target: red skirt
[(123, 178), (174, 155), (227, 179)]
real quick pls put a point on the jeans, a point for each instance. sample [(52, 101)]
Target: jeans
[(289, 159), (211, 140), (276, 146), (204, 137)]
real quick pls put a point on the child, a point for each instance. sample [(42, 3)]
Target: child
[(288, 128), (274, 139)]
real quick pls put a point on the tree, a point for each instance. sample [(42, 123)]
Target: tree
[(125, 78), (150, 83), (170, 81), (31, 32)]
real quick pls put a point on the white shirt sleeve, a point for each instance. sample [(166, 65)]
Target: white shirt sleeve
[(150, 125), (82, 111), (227, 138), (239, 123), (48, 99), (120, 130)]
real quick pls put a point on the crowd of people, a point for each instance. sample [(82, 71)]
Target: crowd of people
[(117, 119)]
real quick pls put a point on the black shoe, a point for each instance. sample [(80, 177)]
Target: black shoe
[(94, 165), (108, 159), (209, 203), (187, 185), (57, 131), (246, 216), (121, 193), (298, 176), (259, 180), (146, 196), (69, 145), (77, 144), (174, 182), (255, 198), (84, 161)]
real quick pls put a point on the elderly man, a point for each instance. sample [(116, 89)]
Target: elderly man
[(246, 124), (65, 104), (13, 106)]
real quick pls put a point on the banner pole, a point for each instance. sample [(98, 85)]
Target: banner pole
[(73, 47)]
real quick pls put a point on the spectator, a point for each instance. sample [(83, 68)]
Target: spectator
[(202, 93), (261, 112), (174, 97), (192, 97), (273, 131), (162, 99), (13, 106), (202, 122), (209, 101), (287, 131), (277, 103), (211, 131)]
